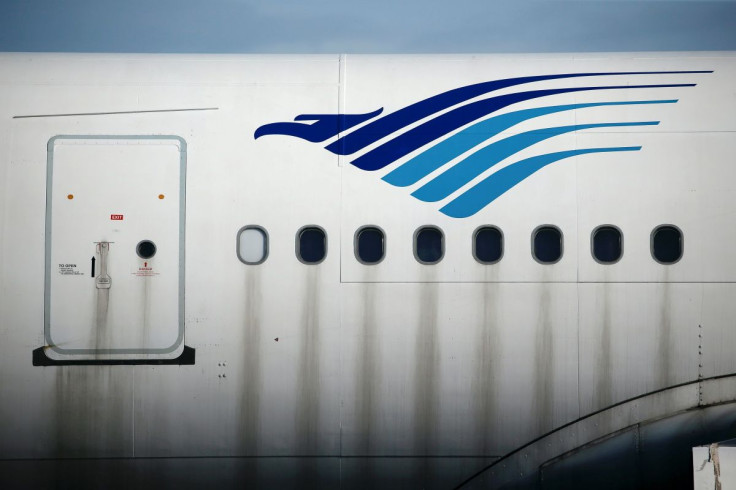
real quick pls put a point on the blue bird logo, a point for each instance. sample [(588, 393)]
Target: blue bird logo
[(469, 123)]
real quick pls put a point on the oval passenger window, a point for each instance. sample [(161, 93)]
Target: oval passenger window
[(488, 245), (429, 246), (252, 245), (370, 245), (667, 244), (547, 244), (311, 245), (607, 244)]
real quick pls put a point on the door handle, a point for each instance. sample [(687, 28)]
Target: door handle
[(103, 281)]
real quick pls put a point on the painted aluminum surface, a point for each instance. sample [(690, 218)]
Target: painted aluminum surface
[(423, 372)]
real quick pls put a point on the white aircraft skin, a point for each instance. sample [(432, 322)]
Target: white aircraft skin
[(190, 368)]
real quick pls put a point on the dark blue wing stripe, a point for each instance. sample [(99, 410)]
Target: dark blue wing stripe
[(485, 192), (466, 170), (376, 130), (446, 150), (435, 128)]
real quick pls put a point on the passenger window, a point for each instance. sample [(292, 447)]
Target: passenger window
[(252, 245), (667, 244), (488, 245), (547, 244), (607, 244), (429, 245), (311, 245), (370, 245)]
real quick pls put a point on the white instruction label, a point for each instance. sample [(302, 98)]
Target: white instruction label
[(69, 270)]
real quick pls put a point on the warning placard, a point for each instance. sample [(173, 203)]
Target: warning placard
[(145, 271)]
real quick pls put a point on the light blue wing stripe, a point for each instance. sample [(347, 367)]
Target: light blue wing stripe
[(464, 171), (486, 191), (438, 155)]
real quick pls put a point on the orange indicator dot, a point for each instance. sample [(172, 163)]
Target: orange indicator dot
[(70, 196), (160, 196)]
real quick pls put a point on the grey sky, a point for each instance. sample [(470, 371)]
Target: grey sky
[(378, 26)]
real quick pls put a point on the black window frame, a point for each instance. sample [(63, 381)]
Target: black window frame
[(562, 243), (442, 244), (475, 237), (298, 244), (356, 238), (682, 243), (592, 243)]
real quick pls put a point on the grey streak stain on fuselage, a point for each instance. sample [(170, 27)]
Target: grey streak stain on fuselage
[(604, 387), (367, 374), (145, 325), (544, 367), (90, 418), (308, 382), (664, 333), (100, 327), (250, 382), (426, 377), (487, 362)]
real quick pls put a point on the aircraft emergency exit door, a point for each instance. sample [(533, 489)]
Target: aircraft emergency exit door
[(115, 220)]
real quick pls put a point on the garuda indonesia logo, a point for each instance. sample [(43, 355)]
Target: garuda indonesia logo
[(451, 135)]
